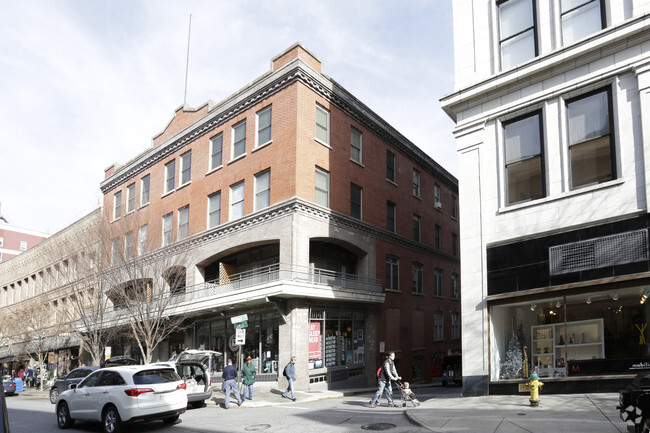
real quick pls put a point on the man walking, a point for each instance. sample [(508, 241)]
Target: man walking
[(290, 374), (387, 373), (229, 375)]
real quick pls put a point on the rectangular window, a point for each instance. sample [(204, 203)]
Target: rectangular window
[(143, 239), (238, 140), (454, 244), (591, 144), (355, 200), (455, 326), (390, 166), (356, 145), (263, 189), (168, 228), (417, 234), (2, 241), (23, 245), (130, 198), (455, 293), (416, 183), (117, 205), (128, 246), (437, 283), (216, 151), (264, 126), (322, 125), (186, 167), (524, 158), (436, 196), (115, 251), (390, 216), (416, 286), (392, 273), (438, 326), (237, 201), (517, 39), (183, 222), (170, 176), (437, 237), (322, 193), (581, 18), (144, 190), (454, 207), (214, 209)]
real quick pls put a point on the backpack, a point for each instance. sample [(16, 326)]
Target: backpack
[(379, 372), (284, 372)]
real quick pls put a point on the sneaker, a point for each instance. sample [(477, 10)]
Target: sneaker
[(284, 396), (372, 404), (391, 404), (293, 398)]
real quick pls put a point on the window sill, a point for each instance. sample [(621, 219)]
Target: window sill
[(214, 169), (143, 205), (417, 197), (360, 164), (392, 290), (417, 294), (236, 159), (129, 212), (262, 146), (184, 185), (323, 143), (167, 193), (116, 219), (391, 181)]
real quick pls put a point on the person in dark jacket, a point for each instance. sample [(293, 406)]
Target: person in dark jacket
[(229, 375), (386, 375), (248, 377), (290, 373)]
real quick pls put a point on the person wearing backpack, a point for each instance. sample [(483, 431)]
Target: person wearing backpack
[(386, 374), (290, 374)]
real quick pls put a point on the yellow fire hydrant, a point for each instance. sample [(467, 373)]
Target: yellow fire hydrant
[(534, 384)]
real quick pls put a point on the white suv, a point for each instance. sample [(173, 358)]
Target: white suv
[(127, 394)]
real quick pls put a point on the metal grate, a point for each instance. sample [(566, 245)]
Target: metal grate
[(595, 253)]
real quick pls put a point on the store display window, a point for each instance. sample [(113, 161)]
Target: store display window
[(336, 338)]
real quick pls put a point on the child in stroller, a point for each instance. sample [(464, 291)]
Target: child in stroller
[(407, 394)]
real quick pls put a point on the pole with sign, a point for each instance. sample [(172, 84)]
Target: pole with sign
[(240, 323)]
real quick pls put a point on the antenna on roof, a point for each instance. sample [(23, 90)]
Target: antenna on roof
[(187, 62)]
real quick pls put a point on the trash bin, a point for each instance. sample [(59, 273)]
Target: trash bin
[(19, 384)]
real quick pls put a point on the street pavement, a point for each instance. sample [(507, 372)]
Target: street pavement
[(559, 413)]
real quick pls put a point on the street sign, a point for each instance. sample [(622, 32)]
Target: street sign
[(237, 319), (240, 325), (240, 336)]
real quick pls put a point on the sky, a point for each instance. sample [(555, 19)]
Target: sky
[(86, 83)]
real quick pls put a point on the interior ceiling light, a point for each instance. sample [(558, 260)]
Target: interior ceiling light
[(558, 305), (615, 296), (532, 307), (588, 300)]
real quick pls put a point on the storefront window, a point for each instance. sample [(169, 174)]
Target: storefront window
[(584, 334), (336, 338)]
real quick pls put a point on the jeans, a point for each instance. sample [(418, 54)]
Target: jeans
[(227, 387), (289, 388), (248, 388), (383, 386)]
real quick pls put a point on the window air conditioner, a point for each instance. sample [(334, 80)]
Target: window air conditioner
[(438, 205)]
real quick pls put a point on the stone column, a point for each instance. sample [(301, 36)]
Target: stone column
[(294, 340)]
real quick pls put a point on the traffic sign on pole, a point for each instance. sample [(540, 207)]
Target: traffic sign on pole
[(240, 336)]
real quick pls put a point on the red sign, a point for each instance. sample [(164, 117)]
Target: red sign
[(314, 340)]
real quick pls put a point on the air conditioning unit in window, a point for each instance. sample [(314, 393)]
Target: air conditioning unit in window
[(438, 205)]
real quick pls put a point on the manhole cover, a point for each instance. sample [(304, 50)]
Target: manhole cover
[(258, 427), (521, 414), (378, 426)]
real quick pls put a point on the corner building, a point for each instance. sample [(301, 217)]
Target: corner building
[(552, 112), (308, 213)]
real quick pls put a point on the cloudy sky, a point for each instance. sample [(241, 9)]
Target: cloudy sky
[(85, 83)]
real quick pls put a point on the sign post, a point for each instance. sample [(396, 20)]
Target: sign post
[(240, 323)]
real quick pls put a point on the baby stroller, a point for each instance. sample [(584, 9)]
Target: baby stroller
[(406, 394)]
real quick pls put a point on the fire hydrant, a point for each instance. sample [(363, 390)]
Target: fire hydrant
[(534, 384)]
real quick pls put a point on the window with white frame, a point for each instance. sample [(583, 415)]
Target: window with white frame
[(390, 166), (2, 241), (128, 246), (517, 36), (143, 239), (416, 183), (524, 158), (392, 273), (130, 198), (115, 251), (144, 190), (170, 176), (438, 326), (436, 196), (416, 280), (417, 233), (216, 151), (322, 125), (186, 167), (455, 292), (355, 201), (390, 216), (581, 18), (263, 126), (322, 187), (437, 283), (117, 205), (237, 201), (214, 209), (455, 325), (238, 140), (23, 245), (591, 143), (168, 228), (356, 142), (183, 222), (263, 189)]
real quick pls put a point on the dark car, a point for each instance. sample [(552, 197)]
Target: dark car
[(8, 385), (634, 403), (449, 369), (4, 414)]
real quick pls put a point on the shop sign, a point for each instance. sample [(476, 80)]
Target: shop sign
[(314, 340), (107, 352)]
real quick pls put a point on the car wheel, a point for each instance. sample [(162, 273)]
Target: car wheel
[(171, 419), (63, 416), (111, 421), (54, 394), (197, 404)]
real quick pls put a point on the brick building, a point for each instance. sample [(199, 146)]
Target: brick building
[(304, 210), (15, 240)]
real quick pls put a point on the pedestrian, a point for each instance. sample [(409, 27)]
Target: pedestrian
[(229, 375), (290, 374), (248, 377), (30, 376), (386, 375)]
